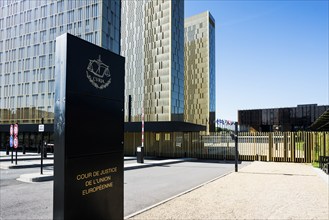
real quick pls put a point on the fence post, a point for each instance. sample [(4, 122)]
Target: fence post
[(310, 149), (324, 143), (254, 146), (293, 147), (303, 142), (270, 146), (315, 147), (236, 147), (303, 146), (311, 146), (285, 147)]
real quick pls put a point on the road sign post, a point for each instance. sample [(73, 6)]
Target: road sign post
[(16, 146), (11, 142), (140, 149), (41, 129), (12, 155), (16, 140)]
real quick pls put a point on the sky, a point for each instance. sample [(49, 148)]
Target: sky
[(269, 54)]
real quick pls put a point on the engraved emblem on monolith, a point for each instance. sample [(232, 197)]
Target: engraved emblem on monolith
[(98, 73)]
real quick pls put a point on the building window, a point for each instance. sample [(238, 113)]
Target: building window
[(80, 14), (60, 6), (89, 37), (157, 136), (167, 136), (95, 25), (94, 11), (87, 11), (70, 16)]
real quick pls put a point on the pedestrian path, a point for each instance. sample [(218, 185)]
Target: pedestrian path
[(27, 160), (262, 190), (20, 156), (36, 162), (129, 164)]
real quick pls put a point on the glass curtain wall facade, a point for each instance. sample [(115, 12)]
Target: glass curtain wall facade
[(152, 42), (28, 30), (298, 118), (132, 38), (200, 100)]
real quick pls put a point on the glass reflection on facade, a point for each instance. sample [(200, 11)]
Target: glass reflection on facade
[(200, 70), (28, 30), (152, 42)]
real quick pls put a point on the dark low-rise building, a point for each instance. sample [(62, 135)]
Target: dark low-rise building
[(322, 123), (280, 119)]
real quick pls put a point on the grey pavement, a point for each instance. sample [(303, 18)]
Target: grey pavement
[(129, 163), (19, 153), (22, 157), (25, 163), (27, 160), (146, 185), (188, 189)]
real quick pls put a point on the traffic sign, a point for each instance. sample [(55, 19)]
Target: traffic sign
[(41, 128), (16, 142), (11, 130), (11, 141), (16, 129)]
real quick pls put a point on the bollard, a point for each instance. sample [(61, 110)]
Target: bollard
[(7, 149), (45, 151), (140, 154)]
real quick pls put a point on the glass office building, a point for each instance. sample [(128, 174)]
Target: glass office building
[(298, 118), (28, 30), (200, 100), (152, 40)]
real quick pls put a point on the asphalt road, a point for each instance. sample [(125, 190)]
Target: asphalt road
[(146, 187), (19, 200), (143, 187)]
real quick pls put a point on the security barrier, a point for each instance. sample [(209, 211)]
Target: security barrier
[(300, 147)]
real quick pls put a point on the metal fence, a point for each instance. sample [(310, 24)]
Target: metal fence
[(304, 147)]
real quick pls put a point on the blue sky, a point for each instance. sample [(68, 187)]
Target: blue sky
[(269, 54)]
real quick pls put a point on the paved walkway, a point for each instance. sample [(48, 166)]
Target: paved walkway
[(262, 190), (30, 160)]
